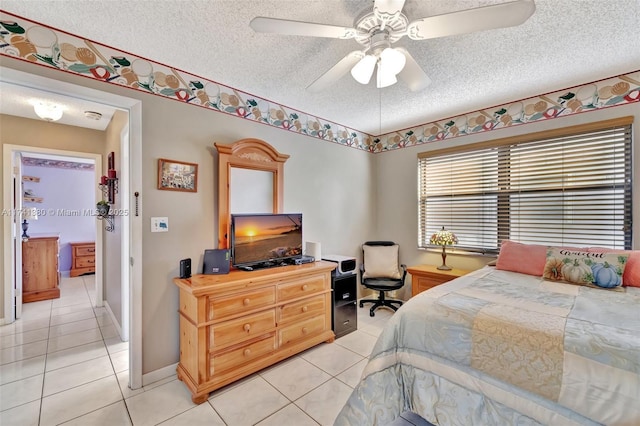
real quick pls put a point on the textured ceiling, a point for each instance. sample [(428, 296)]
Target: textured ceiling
[(19, 100), (565, 43)]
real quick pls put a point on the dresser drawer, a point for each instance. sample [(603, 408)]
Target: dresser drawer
[(301, 330), (297, 310), (425, 283), (85, 250), (301, 288), (84, 262), (221, 307), (237, 356), (241, 329)]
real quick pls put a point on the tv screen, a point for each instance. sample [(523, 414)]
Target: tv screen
[(265, 238)]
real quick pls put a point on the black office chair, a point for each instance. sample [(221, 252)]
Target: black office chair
[(380, 271)]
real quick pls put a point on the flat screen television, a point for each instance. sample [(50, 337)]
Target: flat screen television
[(262, 240)]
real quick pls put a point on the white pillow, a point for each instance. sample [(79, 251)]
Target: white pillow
[(381, 262)]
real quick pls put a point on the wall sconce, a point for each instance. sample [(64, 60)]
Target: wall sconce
[(109, 183), (109, 187)]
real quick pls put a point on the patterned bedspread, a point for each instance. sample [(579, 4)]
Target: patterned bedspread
[(503, 348)]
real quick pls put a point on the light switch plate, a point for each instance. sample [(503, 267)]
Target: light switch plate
[(159, 224)]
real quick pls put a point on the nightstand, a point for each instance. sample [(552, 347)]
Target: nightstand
[(423, 277)]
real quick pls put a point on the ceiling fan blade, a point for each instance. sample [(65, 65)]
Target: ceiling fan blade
[(336, 72), (467, 21), (284, 26), (386, 10), (412, 74)]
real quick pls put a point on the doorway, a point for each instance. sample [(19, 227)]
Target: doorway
[(131, 255)]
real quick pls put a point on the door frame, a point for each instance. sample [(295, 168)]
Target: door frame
[(9, 152), (132, 168)]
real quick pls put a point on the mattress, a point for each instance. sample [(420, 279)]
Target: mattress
[(496, 347)]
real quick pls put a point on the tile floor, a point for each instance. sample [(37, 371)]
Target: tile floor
[(63, 363)]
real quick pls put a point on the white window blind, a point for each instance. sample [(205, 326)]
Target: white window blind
[(569, 187)]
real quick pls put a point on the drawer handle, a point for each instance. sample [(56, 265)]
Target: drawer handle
[(305, 330), (247, 327), (305, 309), (90, 261), (246, 302), (305, 287), (247, 352), (91, 250)]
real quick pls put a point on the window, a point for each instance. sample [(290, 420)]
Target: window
[(569, 187)]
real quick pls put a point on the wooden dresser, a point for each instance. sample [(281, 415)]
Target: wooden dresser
[(40, 277), (83, 258), (423, 277), (236, 324)]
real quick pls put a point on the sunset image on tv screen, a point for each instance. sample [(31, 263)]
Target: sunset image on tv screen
[(262, 238)]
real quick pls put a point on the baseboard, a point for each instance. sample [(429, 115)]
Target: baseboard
[(113, 319), (159, 374)]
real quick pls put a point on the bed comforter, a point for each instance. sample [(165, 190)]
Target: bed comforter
[(503, 348)]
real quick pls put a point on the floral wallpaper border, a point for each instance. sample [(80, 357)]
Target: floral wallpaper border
[(58, 164), (26, 40)]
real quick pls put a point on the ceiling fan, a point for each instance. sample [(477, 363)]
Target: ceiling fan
[(376, 30)]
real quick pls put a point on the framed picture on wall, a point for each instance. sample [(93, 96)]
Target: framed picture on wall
[(177, 175)]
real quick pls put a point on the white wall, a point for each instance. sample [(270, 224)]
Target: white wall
[(397, 187), (112, 253)]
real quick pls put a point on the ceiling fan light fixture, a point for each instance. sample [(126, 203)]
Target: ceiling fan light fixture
[(48, 111), (384, 77), (363, 70), (393, 60)]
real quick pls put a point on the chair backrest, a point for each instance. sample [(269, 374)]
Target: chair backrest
[(381, 260)]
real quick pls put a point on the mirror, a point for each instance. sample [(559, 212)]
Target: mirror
[(250, 180), (250, 191)]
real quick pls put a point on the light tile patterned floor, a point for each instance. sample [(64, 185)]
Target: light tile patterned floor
[(62, 363)]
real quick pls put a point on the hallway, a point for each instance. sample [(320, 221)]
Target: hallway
[(62, 359)]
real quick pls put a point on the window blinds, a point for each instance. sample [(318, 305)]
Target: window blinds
[(570, 188)]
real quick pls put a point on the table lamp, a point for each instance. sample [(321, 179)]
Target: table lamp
[(28, 214), (443, 238)]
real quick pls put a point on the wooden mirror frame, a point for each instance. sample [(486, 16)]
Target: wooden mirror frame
[(253, 154)]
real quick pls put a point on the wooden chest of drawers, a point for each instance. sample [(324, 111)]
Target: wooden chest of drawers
[(40, 277), (236, 324), (423, 277), (83, 258)]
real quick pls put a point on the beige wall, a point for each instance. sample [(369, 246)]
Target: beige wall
[(112, 251), (36, 133), (331, 184), (397, 188)]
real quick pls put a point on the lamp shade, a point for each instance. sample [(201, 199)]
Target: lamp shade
[(384, 77), (443, 238), (30, 213), (48, 111), (393, 60), (363, 70)]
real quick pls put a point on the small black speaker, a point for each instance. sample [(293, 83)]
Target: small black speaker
[(185, 268)]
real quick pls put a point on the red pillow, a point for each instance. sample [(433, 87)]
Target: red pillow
[(524, 258), (631, 274)]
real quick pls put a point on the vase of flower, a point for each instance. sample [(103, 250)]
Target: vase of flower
[(103, 208)]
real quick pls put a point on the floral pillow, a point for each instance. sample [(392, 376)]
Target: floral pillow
[(602, 270)]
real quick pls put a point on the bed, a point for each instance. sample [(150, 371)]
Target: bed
[(498, 347)]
